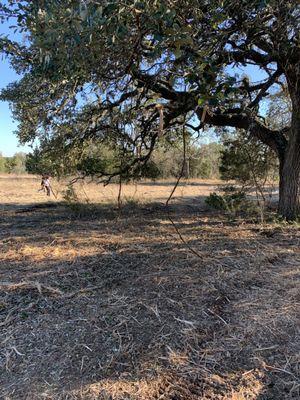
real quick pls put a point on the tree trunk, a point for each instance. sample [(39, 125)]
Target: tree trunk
[(288, 206), (290, 172)]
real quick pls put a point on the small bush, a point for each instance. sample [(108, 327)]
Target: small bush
[(216, 201), (231, 200), (70, 195), (235, 198), (131, 201)]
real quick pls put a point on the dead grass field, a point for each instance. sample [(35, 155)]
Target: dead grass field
[(101, 303), (24, 190)]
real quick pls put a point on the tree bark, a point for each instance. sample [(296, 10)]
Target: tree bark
[(288, 206)]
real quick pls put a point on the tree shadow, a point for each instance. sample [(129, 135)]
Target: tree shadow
[(182, 183), (115, 304)]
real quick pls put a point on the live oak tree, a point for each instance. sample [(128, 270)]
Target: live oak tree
[(126, 72)]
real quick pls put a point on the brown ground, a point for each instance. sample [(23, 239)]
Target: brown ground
[(97, 303)]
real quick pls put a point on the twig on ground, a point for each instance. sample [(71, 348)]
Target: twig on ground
[(30, 285)]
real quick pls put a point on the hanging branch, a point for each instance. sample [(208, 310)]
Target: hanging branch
[(120, 193), (173, 191), (160, 109)]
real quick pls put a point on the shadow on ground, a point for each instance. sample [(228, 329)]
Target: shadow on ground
[(182, 183), (100, 303)]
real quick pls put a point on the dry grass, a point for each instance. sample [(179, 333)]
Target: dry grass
[(24, 190), (112, 305)]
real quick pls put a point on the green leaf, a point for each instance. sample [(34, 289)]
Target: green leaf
[(177, 52)]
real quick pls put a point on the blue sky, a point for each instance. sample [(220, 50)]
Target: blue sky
[(8, 141)]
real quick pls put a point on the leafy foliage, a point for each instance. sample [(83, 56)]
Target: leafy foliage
[(14, 164), (247, 161), (234, 202), (165, 162), (229, 201)]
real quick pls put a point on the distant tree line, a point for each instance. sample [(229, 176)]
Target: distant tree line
[(231, 159), (13, 165), (201, 161)]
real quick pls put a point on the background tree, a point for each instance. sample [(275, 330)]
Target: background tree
[(98, 70), (14, 164), (2, 163), (205, 160), (96, 159), (19, 160), (251, 164), (10, 164), (246, 159)]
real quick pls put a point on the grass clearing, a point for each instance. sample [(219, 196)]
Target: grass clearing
[(110, 304)]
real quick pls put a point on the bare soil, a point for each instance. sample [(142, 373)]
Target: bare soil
[(102, 303)]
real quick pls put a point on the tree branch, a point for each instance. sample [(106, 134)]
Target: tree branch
[(275, 139), (264, 88)]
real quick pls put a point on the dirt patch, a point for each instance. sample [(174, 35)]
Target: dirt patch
[(113, 306)]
